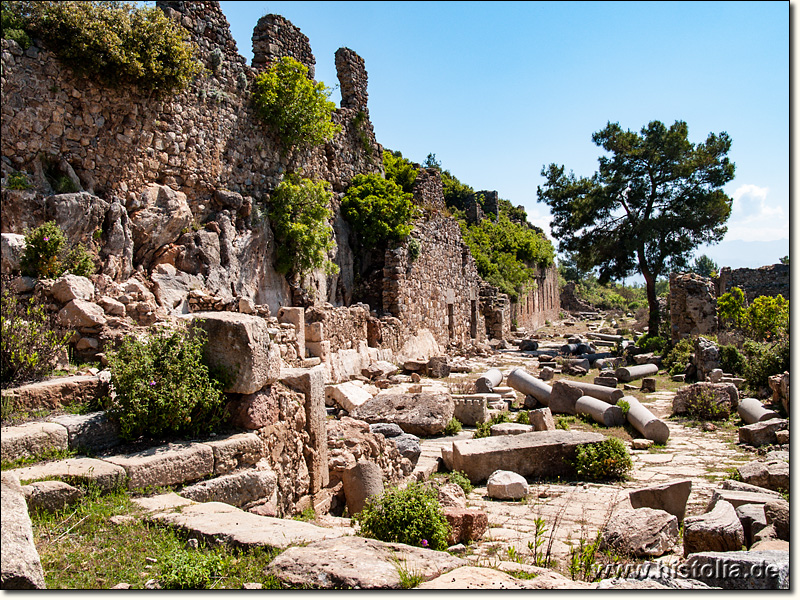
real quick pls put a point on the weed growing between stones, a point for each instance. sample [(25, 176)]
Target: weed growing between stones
[(484, 429), (48, 255), (459, 478), (453, 427), (308, 514), (603, 461), (410, 516), (45, 456), (408, 579)]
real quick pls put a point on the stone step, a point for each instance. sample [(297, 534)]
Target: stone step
[(105, 475), (32, 439)]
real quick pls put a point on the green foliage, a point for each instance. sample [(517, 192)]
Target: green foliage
[(414, 249), (625, 406), (731, 360), (299, 214), (505, 253), (400, 170), (583, 559), (453, 427), (455, 192), (18, 181), (162, 386), (296, 108), (768, 318), (30, 341), (677, 358), (483, 429), (704, 266), (410, 516), (409, 579), (785, 260), (431, 162), (189, 570), (47, 255), (703, 405), (379, 210), (13, 25), (460, 479), (359, 124), (523, 418), (606, 460), (119, 44), (308, 514), (764, 360), (654, 199), (731, 310), (651, 343)]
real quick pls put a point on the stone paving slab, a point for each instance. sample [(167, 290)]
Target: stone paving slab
[(166, 465), (31, 439), (222, 523), (104, 474)]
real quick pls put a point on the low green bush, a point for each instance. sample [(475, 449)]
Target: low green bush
[(295, 107), (523, 418), (453, 427), (483, 430), (731, 360), (30, 341), (299, 214), (625, 406), (676, 360), (47, 254), (18, 181), (410, 516), (400, 170), (380, 212), (118, 43), (162, 386), (705, 405), (603, 461), (460, 479), (764, 360), (189, 570), (651, 343)]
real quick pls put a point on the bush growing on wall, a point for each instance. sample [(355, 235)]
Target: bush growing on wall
[(379, 210), (30, 341), (118, 43), (400, 170), (163, 387), (299, 215), (47, 255), (295, 107)]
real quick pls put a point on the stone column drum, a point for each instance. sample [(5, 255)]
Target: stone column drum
[(488, 381), (602, 412), (628, 374), (524, 382), (752, 411), (645, 422)]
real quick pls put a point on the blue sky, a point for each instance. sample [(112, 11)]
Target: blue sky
[(497, 90)]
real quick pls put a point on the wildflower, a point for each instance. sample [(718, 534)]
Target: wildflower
[(424, 543), (46, 238), (152, 382)]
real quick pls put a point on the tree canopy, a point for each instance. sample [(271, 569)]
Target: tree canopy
[(654, 199), (705, 266)]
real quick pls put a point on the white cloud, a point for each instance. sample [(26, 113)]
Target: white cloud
[(754, 218)]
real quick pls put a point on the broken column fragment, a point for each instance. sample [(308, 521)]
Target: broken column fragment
[(645, 422), (524, 382)]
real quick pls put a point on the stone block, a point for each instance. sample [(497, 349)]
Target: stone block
[(81, 314), (510, 429), (236, 489), (92, 431), (32, 439), (762, 433), (506, 485), (438, 367), (777, 514), (641, 532), (611, 382), (466, 524), (536, 454), (670, 497), (423, 414), (408, 447), (738, 497), (166, 465), (753, 520), (21, 566), (471, 410), (236, 451), (541, 419), (741, 570), (257, 410), (315, 332), (69, 287), (347, 395), (101, 473), (241, 345), (57, 392), (296, 317), (716, 531), (770, 474), (50, 495)]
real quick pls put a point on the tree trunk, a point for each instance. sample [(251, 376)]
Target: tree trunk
[(654, 319)]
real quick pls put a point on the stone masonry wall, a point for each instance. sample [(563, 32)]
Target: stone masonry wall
[(692, 305), (764, 281), (541, 303)]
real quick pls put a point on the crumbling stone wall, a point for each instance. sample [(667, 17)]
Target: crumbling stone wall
[(570, 301), (770, 280), (692, 305), (541, 303), (275, 37), (496, 310)]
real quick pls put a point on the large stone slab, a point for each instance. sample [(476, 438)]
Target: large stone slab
[(423, 414), (770, 474), (738, 498), (762, 433), (751, 570), (536, 454), (166, 465), (670, 497), (477, 578), (356, 562), (347, 395), (50, 495), (641, 532), (717, 531), (216, 522), (21, 567), (32, 439), (241, 345), (236, 451), (236, 489), (103, 474), (93, 431), (57, 392), (466, 524)]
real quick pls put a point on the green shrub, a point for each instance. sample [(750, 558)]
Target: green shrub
[(523, 418), (414, 249), (119, 44), (30, 341), (189, 570), (453, 427), (400, 170), (651, 343), (625, 406), (296, 108), (18, 181), (47, 255), (708, 405), (731, 360), (768, 318), (410, 516), (764, 360), (379, 211), (13, 26), (731, 310), (484, 429), (299, 214), (606, 460), (460, 479), (163, 387), (677, 358)]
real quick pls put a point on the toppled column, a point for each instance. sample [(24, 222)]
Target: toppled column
[(752, 411), (601, 392), (602, 412), (524, 382), (645, 422), (488, 381), (606, 337), (628, 374)]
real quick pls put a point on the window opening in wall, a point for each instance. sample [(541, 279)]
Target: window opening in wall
[(473, 319), (451, 326)]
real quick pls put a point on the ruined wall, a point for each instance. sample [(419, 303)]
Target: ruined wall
[(692, 305), (541, 303), (203, 142), (770, 280)]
